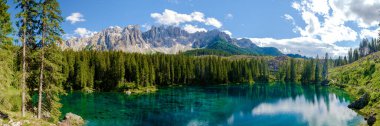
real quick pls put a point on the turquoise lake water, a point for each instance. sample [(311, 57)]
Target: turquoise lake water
[(275, 104)]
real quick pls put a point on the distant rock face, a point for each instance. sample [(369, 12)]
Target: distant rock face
[(165, 39)]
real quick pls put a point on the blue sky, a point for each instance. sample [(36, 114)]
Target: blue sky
[(249, 18), (309, 27)]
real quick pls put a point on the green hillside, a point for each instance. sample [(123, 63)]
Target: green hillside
[(360, 77), (220, 44), (221, 47)]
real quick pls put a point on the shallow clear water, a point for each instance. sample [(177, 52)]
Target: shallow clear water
[(257, 104)]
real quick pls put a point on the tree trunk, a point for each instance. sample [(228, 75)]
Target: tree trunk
[(23, 80), (41, 74)]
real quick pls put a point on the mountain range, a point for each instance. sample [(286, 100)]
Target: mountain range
[(166, 39)]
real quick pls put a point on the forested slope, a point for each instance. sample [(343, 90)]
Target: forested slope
[(359, 77)]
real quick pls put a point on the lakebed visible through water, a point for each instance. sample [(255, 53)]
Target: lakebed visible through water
[(237, 104)]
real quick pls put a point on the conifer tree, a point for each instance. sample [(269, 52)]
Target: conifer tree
[(293, 70), (325, 67), (27, 25), (50, 30), (350, 56), (317, 73), (5, 23)]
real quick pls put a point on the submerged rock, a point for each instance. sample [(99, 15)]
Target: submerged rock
[(361, 102), (72, 120)]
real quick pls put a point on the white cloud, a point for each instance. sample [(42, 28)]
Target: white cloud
[(75, 17), (288, 17), (366, 33), (296, 6), (192, 29), (170, 17), (301, 45), (229, 16), (291, 19), (198, 16), (319, 6), (213, 22), (82, 33), (146, 26), (364, 12), (228, 32), (325, 23)]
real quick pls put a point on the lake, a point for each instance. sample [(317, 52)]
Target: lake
[(260, 104)]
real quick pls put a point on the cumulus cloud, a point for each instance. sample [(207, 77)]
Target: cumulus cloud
[(146, 26), (192, 29), (367, 33), (213, 22), (228, 32), (81, 33), (75, 17), (364, 12), (301, 45), (84, 33), (170, 17), (325, 23)]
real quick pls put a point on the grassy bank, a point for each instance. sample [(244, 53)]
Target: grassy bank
[(362, 76)]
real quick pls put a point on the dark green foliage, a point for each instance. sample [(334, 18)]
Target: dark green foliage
[(317, 70), (53, 82), (297, 56), (27, 21), (51, 77), (266, 51), (307, 71), (360, 77), (325, 67), (293, 71), (201, 52), (10, 96), (5, 23), (106, 71), (223, 45), (350, 56), (366, 47)]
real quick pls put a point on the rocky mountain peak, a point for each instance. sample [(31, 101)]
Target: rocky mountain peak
[(165, 39)]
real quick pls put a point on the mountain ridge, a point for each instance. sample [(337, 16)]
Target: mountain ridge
[(164, 39)]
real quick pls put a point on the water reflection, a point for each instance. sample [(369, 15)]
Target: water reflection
[(314, 113), (258, 104)]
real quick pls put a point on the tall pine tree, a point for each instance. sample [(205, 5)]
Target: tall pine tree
[(27, 24), (50, 30), (325, 67), (5, 23), (317, 72)]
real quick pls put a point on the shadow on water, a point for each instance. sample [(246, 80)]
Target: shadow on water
[(243, 104)]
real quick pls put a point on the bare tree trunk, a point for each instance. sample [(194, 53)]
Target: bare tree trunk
[(41, 74), (23, 81)]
